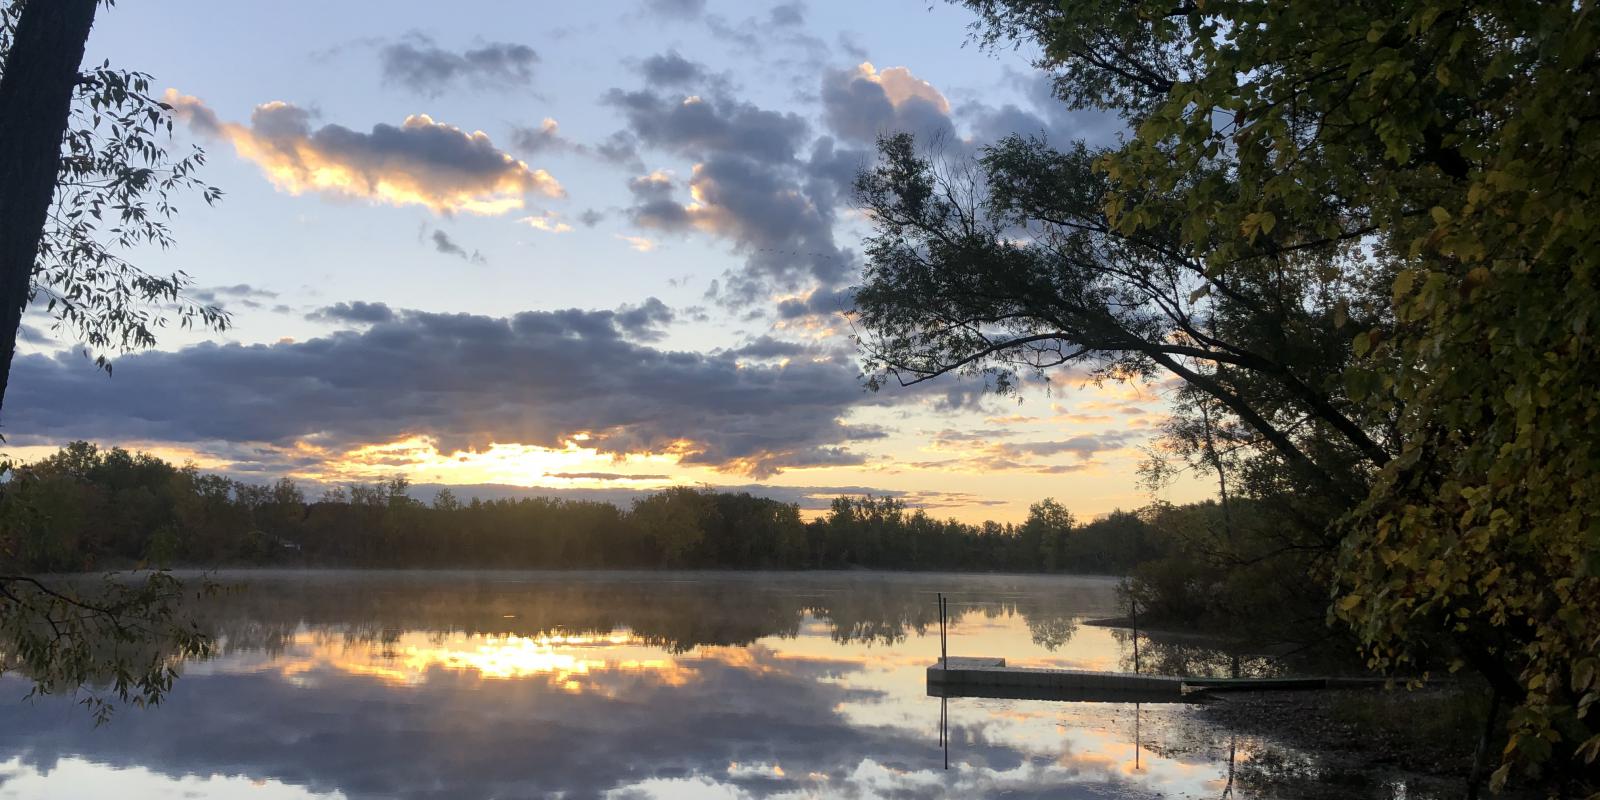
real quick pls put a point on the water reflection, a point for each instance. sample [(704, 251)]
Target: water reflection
[(651, 685)]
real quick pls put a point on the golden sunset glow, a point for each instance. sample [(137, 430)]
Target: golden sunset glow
[(572, 663)]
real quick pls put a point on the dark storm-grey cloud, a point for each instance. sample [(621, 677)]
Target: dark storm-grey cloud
[(467, 381), (422, 66)]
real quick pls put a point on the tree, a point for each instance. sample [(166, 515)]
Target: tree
[(81, 177), (676, 521), (1044, 535), (1362, 230)]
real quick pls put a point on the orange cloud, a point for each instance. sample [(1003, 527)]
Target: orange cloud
[(420, 162)]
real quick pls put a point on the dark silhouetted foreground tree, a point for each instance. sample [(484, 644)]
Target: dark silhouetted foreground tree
[(81, 178)]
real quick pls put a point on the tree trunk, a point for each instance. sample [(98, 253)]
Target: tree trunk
[(36, 88)]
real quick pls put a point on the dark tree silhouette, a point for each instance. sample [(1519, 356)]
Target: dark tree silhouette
[(84, 177), (41, 72)]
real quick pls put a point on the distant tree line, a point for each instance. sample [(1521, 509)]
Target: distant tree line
[(87, 508)]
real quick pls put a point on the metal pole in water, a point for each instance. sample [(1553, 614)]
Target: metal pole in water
[(1133, 606), (944, 728), (944, 651)]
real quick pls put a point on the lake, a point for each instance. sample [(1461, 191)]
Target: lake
[(639, 685)]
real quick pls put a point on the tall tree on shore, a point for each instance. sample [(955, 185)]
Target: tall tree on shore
[(1361, 228), (81, 177)]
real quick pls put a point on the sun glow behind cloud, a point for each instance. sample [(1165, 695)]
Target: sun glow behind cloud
[(573, 465)]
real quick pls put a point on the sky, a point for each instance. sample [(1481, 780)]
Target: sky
[(587, 250)]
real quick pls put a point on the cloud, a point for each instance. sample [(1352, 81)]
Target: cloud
[(420, 162), (357, 312), (638, 243), (749, 185), (463, 382), (777, 41), (851, 45), (546, 138), (420, 65), (1044, 115), (985, 450), (864, 103), (643, 322), (671, 69), (766, 346), (788, 14), (1084, 447), (444, 244), (604, 476), (620, 148), (697, 126), (547, 221), (786, 237), (822, 302), (245, 294), (676, 9)]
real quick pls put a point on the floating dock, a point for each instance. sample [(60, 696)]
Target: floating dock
[(990, 677)]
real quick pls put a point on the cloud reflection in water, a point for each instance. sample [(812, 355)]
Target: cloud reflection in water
[(740, 687)]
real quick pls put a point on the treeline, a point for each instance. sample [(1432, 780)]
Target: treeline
[(85, 508)]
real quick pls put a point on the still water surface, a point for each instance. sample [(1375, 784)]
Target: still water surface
[(631, 685)]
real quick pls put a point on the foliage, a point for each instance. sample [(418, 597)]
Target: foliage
[(114, 195), (120, 639), (1360, 228), (85, 508), (1245, 571)]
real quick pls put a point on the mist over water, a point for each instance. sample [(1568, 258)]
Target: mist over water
[(624, 685)]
